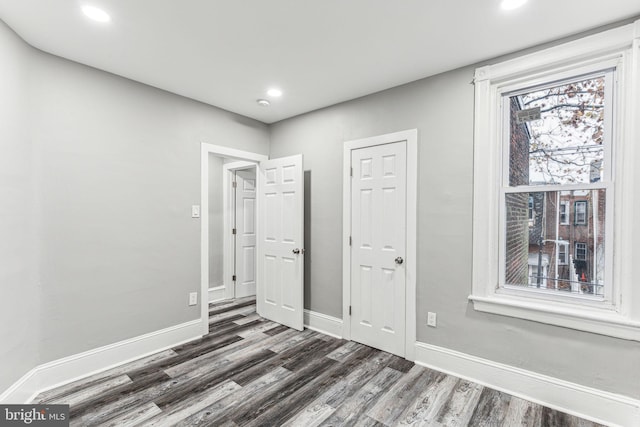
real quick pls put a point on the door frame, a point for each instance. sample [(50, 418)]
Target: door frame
[(411, 138), (230, 153), (229, 208)]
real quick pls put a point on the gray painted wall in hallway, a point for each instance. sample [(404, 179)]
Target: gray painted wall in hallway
[(441, 108), (19, 299)]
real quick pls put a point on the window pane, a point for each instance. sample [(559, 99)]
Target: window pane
[(564, 212), (557, 134), (545, 253), (563, 253)]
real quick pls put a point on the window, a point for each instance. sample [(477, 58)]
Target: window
[(564, 213), (531, 212), (563, 253), (580, 212), (555, 132), (550, 131)]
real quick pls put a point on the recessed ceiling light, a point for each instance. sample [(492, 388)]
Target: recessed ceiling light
[(274, 92), (263, 102), (95, 13), (512, 4)]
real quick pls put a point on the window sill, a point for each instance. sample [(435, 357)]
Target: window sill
[(598, 321)]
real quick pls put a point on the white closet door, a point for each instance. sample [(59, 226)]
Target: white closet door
[(378, 224)]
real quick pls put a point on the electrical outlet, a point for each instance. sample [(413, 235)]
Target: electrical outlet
[(431, 319), (193, 298)]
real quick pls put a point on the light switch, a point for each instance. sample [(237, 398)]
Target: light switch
[(431, 319), (195, 211), (193, 298)]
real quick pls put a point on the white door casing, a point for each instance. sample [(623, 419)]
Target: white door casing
[(245, 237), (228, 153), (280, 264), (378, 209)]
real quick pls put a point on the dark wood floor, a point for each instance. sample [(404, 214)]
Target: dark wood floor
[(252, 372)]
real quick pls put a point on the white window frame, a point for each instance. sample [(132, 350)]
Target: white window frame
[(553, 78), (564, 205), (564, 245), (618, 314)]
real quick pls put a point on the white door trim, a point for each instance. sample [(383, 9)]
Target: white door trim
[(225, 152), (411, 137), (228, 210)]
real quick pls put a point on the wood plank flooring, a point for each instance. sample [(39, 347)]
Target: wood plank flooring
[(252, 372)]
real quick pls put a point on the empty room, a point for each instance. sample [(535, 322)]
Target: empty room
[(319, 213)]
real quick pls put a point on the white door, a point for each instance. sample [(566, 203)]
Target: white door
[(245, 226), (378, 227), (281, 246)]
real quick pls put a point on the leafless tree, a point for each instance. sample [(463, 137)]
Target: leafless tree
[(567, 141)]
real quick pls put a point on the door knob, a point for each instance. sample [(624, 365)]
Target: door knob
[(399, 260), (298, 251)]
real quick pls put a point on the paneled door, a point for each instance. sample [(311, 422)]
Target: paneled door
[(378, 227), (281, 241), (245, 226)]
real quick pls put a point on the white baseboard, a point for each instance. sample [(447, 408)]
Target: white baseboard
[(217, 294), (585, 402), (322, 323), (72, 368)]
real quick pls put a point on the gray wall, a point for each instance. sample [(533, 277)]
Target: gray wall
[(441, 108), (116, 166), (119, 167), (216, 221), (19, 298)]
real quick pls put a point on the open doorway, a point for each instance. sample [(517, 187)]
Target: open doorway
[(278, 233), (232, 228), (239, 232), (218, 266)]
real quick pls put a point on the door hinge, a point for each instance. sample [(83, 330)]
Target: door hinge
[(233, 278), (349, 310), (351, 173), (233, 231), (350, 241), (234, 184)]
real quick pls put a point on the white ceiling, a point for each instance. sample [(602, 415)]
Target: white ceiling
[(227, 53)]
